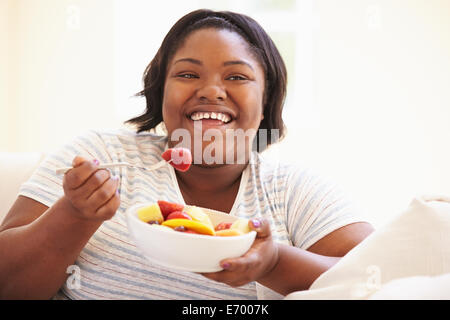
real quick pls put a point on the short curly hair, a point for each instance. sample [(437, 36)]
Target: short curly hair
[(260, 44)]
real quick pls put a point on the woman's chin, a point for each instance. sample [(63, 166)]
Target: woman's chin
[(214, 165)]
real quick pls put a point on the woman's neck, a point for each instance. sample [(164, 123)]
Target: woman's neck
[(211, 187)]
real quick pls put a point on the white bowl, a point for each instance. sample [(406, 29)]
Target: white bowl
[(186, 251)]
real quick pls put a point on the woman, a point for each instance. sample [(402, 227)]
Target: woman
[(218, 65)]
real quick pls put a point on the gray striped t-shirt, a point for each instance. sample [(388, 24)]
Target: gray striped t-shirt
[(300, 206)]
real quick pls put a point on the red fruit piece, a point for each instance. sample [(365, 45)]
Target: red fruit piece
[(223, 226), (178, 215), (179, 158), (169, 207)]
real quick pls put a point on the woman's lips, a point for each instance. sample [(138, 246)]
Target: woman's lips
[(210, 124), (222, 116)]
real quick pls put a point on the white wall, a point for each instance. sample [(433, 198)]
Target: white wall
[(5, 78), (369, 101), (61, 76), (381, 74)]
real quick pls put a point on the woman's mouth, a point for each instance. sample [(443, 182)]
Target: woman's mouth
[(217, 118)]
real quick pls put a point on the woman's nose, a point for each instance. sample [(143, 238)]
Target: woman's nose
[(211, 91)]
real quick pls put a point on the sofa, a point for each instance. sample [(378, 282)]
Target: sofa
[(407, 258), (15, 168)]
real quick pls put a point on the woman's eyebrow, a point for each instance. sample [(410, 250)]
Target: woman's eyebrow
[(228, 63), (191, 60)]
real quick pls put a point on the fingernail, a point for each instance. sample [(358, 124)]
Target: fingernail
[(96, 162), (256, 223), (225, 265), (117, 192)]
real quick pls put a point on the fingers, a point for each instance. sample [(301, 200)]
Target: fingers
[(92, 191), (109, 208), (254, 263), (237, 272), (247, 261), (77, 161), (89, 186), (82, 170), (103, 194), (261, 226)]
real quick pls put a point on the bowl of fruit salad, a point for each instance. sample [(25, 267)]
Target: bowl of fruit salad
[(188, 238)]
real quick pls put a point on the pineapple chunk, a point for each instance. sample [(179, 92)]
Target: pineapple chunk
[(197, 214), (151, 213), (241, 224), (229, 233)]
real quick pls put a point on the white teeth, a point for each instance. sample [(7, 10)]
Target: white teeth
[(213, 115)]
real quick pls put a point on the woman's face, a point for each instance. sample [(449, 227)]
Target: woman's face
[(215, 84)]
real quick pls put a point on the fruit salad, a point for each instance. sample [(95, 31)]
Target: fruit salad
[(189, 219)]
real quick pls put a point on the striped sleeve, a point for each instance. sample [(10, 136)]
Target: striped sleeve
[(44, 184), (315, 208)]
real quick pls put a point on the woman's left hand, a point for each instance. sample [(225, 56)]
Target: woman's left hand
[(259, 260)]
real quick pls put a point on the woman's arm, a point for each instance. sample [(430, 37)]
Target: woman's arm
[(284, 268), (297, 269), (38, 243), (34, 256)]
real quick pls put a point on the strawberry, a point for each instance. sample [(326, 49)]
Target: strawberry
[(223, 226), (169, 207), (178, 215), (179, 158)]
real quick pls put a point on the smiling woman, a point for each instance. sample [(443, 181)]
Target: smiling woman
[(217, 74), (260, 55)]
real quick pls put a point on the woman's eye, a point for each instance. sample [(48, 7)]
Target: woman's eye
[(237, 77), (187, 76)]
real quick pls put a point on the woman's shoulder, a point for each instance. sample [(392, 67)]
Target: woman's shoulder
[(125, 138), (270, 163), (291, 173)]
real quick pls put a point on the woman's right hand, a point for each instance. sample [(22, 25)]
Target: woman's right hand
[(92, 192)]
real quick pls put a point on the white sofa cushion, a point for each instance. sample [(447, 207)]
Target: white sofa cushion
[(415, 288), (15, 168), (414, 246)]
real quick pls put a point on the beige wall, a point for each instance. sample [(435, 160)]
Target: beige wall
[(61, 71), (6, 110), (382, 91)]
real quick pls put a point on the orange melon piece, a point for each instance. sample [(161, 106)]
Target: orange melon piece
[(196, 226)]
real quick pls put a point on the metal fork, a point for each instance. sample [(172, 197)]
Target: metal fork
[(119, 164)]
